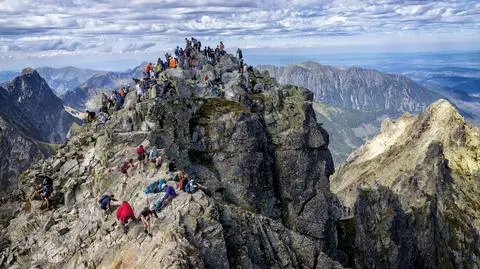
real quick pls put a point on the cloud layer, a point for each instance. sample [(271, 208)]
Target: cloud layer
[(62, 27)]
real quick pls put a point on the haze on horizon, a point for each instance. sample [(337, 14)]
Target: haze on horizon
[(116, 35)]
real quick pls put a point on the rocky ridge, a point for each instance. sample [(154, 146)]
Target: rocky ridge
[(423, 206), (259, 151)]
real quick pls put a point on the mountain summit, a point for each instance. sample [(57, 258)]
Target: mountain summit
[(424, 171), (32, 95), (254, 146)]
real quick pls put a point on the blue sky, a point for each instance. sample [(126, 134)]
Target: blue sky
[(117, 34)]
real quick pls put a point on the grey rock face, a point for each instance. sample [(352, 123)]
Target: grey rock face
[(30, 117), (261, 157), (426, 218), (31, 94)]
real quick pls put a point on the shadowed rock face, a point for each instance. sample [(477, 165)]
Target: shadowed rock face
[(30, 117), (32, 96), (262, 157), (428, 217)]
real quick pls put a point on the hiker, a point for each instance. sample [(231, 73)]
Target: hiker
[(90, 116), (145, 215), (139, 89), (169, 192), (239, 54), (43, 192), (141, 157), (172, 168), (240, 70), (183, 181), (119, 100), (177, 51), (122, 92), (124, 214), (102, 119), (222, 47), (124, 169), (106, 202), (172, 63), (158, 68), (154, 157), (104, 109), (148, 68)]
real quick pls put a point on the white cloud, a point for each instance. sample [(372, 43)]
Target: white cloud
[(98, 26)]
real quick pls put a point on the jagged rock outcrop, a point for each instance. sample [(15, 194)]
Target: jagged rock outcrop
[(31, 94), (31, 117), (430, 218), (259, 152)]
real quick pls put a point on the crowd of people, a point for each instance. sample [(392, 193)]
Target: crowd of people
[(183, 182), (153, 74)]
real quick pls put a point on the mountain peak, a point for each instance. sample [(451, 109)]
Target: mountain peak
[(442, 108), (28, 71)]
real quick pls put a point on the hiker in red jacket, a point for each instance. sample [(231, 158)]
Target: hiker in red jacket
[(124, 214)]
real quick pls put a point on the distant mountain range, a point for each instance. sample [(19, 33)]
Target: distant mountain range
[(64, 79)]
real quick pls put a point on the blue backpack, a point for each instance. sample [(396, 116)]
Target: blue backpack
[(191, 186)]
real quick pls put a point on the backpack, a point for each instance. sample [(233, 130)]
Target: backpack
[(191, 186), (47, 190), (47, 181)]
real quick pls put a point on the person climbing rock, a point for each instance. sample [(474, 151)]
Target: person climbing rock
[(144, 216), (141, 157), (155, 158), (90, 116), (124, 214), (106, 202), (124, 169)]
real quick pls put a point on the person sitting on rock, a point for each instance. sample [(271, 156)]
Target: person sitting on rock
[(145, 215), (169, 192), (124, 214), (124, 169), (154, 157), (141, 157), (183, 181), (106, 202), (90, 116)]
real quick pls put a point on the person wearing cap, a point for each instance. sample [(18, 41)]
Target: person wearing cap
[(145, 215)]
